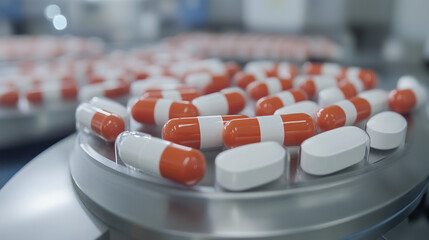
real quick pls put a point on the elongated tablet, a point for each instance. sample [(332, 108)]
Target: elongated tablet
[(250, 166), (387, 130), (334, 150)]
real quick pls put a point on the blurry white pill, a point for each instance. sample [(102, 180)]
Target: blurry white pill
[(406, 81), (334, 150), (250, 165), (307, 107), (387, 130)]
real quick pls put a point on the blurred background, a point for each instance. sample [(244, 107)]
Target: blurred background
[(391, 36), (395, 30)]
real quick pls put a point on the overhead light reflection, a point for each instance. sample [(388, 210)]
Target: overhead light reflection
[(51, 11), (59, 22)]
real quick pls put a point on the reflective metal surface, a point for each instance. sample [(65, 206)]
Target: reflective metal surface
[(32, 123), (361, 202), (39, 202)]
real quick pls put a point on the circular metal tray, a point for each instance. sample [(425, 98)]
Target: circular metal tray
[(362, 201)]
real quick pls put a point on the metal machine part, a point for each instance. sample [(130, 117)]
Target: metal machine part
[(360, 202), (34, 123)]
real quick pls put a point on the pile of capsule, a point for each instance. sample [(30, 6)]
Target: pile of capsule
[(313, 108), (247, 46), (71, 79), (45, 47)]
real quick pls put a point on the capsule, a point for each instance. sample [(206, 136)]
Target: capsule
[(138, 88), (232, 68), (405, 100), (179, 88), (211, 66), (51, 92), (145, 71), (207, 82), (289, 130), (346, 89), (226, 102), (177, 95), (368, 77), (408, 96), (159, 111), (348, 112), (9, 96), (113, 107), (160, 158), (268, 105), (313, 68), (308, 107), (197, 132), (257, 90), (268, 67), (243, 79), (286, 70), (312, 85), (97, 121), (112, 89)]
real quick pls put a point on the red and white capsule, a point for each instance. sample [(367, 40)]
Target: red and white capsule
[(207, 82), (161, 158), (102, 123), (268, 105), (270, 86), (346, 89), (9, 96), (177, 95), (159, 111), (308, 107), (368, 77), (408, 96), (138, 88), (349, 112), (289, 130), (243, 79), (113, 107), (197, 132), (226, 102), (312, 85), (232, 68), (111, 89), (286, 70), (51, 92)]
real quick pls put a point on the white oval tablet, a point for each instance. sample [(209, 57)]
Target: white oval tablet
[(250, 165), (307, 107), (387, 130), (334, 150)]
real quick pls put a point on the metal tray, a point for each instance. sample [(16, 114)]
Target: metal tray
[(360, 202)]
